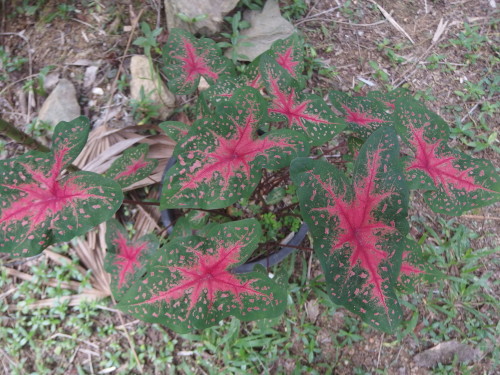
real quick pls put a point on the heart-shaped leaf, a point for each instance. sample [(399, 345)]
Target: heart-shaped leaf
[(305, 113), (125, 259), (455, 181), (190, 285), (289, 54), (359, 227), (222, 156), (363, 115), (41, 206), (132, 166), (187, 59)]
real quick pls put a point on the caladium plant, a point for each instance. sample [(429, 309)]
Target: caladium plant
[(42, 205), (189, 284), (255, 126)]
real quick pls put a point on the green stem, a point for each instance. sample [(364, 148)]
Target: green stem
[(17, 135)]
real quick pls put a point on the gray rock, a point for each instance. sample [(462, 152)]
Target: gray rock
[(445, 352), (267, 26), (61, 104), (154, 88), (211, 12)]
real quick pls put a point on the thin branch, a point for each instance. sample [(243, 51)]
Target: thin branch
[(19, 136)]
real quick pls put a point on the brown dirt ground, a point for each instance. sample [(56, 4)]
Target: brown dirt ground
[(99, 36)]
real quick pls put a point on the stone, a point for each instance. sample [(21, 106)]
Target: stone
[(209, 12), (445, 352), (61, 104), (266, 27), (142, 76)]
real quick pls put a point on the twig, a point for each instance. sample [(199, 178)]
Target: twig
[(479, 217), (135, 21), (380, 349), (470, 112), (130, 342), (129, 201), (19, 136), (311, 18), (392, 21), (437, 35)]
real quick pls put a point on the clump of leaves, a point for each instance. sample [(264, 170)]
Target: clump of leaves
[(257, 122)]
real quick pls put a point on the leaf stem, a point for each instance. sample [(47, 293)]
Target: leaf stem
[(9, 130), (130, 201)]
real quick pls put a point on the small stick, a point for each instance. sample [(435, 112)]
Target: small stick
[(19, 136), (129, 201), (479, 217)]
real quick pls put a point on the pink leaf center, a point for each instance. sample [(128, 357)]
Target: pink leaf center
[(233, 154), (439, 168), (194, 65), (360, 118), (295, 112), (210, 274), (287, 62), (45, 197), (359, 227), (127, 257), (132, 168)]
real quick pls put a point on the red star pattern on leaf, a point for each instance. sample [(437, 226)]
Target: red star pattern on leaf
[(360, 230), (209, 274), (295, 112), (127, 257), (194, 65), (360, 118), (133, 168), (287, 62), (46, 197), (233, 154), (439, 168), (407, 268)]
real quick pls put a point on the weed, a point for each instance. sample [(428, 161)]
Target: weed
[(235, 37), (36, 85), (9, 64), (185, 18), (144, 108), (295, 10), (62, 11), (148, 42), (380, 73), (29, 7), (251, 4)]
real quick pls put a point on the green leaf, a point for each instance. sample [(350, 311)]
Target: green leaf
[(305, 113), (132, 166), (359, 227), (175, 129), (363, 115), (455, 181), (126, 260), (40, 205), (190, 285), (187, 59)]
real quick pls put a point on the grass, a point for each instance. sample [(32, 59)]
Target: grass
[(462, 306)]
